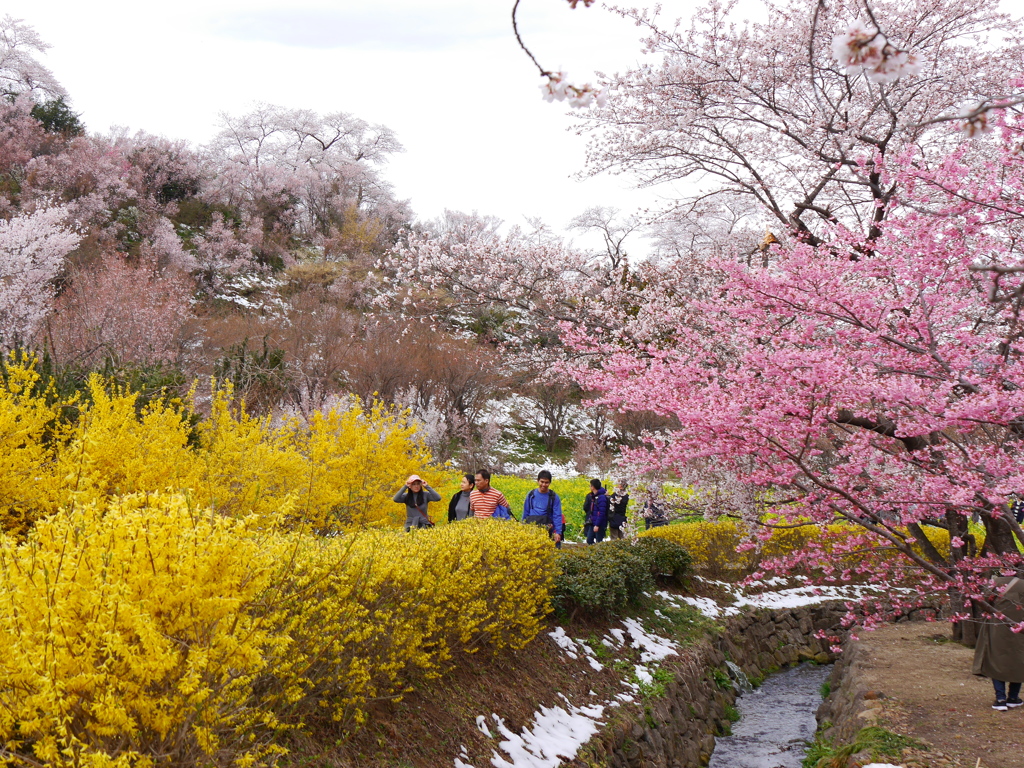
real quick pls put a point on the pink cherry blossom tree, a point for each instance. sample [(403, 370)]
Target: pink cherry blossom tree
[(324, 164), (32, 251), (765, 112), (20, 69), (834, 327), (120, 312)]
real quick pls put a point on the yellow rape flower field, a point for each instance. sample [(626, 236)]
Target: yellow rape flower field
[(183, 593)]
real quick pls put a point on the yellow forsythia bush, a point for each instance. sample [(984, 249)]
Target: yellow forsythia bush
[(712, 544), (151, 632), (341, 468), (29, 438)]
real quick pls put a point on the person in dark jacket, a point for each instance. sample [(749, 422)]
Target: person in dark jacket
[(618, 502), (458, 507), (999, 654), (416, 495), (597, 517), (654, 516)]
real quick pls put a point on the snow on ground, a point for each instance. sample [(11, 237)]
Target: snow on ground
[(792, 597), (556, 735), (481, 723), (564, 642), (652, 647)]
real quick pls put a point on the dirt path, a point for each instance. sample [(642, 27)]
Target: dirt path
[(931, 695)]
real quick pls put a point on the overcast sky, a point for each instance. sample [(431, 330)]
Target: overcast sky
[(445, 75)]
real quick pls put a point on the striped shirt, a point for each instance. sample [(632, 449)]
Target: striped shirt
[(483, 503)]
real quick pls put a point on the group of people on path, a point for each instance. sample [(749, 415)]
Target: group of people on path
[(999, 653), (602, 512)]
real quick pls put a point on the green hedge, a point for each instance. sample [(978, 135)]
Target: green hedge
[(610, 577)]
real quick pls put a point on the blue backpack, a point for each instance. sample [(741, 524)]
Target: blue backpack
[(502, 513)]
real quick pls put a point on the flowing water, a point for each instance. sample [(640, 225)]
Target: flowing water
[(775, 723)]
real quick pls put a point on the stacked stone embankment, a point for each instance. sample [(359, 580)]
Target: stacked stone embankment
[(679, 728)]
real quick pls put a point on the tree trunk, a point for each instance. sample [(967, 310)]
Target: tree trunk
[(966, 632)]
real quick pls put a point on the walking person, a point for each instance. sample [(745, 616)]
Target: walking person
[(999, 653), (416, 495), (598, 515), (617, 515), (458, 507), (484, 499), (544, 507)]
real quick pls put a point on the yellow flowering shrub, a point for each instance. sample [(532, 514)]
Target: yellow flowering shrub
[(114, 451), (29, 435), (341, 468), (713, 544), (148, 631), (124, 634)]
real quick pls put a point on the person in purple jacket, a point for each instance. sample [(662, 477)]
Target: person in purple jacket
[(597, 524)]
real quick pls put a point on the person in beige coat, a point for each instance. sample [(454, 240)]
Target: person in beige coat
[(999, 654)]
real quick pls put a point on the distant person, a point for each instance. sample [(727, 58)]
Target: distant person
[(483, 499), (653, 514), (543, 507), (458, 507), (588, 509), (1017, 508), (999, 654), (416, 495), (618, 503), (598, 514)]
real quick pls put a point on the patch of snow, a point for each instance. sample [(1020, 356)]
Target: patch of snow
[(652, 647), (564, 642), (460, 764), (643, 674), (481, 723), (595, 664), (618, 635), (793, 597), (556, 735), (705, 605)]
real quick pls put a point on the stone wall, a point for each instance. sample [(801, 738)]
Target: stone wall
[(678, 730), (851, 705)]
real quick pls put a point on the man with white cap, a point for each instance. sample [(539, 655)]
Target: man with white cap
[(416, 495)]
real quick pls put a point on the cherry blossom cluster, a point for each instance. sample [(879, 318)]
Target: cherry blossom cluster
[(32, 251), (974, 120), (557, 88), (863, 49)]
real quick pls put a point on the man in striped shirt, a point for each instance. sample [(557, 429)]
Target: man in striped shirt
[(483, 499)]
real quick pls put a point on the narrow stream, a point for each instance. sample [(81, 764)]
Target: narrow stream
[(775, 721)]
